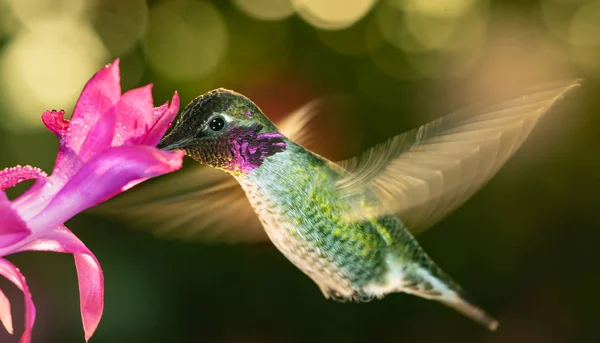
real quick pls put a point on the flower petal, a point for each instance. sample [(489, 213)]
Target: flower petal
[(12, 227), (93, 122), (134, 116), (14, 175), (55, 122), (9, 271), (5, 314), (67, 161), (89, 133), (89, 273), (163, 117), (109, 174)]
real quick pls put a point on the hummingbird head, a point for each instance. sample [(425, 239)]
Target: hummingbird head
[(225, 130)]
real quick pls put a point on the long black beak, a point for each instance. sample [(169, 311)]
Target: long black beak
[(172, 142), (165, 143)]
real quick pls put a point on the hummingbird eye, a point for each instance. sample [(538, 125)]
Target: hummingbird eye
[(216, 124)]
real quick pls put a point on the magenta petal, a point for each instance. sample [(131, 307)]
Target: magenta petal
[(91, 292), (12, 176), (100, 136), (67, 161), (164, 118), (12, 227), (89, 273), (104, 177), (92, 117), (9, 271), (89, 133), (55, 122), (5, 314), (134, 115)]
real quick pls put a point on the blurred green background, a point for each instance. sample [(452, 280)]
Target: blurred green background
[(525, 246)]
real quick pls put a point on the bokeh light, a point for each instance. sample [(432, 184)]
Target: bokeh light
[(266, 9), (588, 59), (45, 66), (436, 8), (332, 14), (391, 22), (8, 21), (120, 24), (438, 40), (576, 23), (186, 39), (394, 63), (585, 25), (358, 39), (29, 12)]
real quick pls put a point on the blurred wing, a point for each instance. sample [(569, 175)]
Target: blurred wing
[(295, 126), (201, 203), (196, 204), (424, 174)]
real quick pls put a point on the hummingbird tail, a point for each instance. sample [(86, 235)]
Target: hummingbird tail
[(439, 286), (431, 283), (470, 310)]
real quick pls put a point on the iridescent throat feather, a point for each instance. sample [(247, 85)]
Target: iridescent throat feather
[(240, 151)]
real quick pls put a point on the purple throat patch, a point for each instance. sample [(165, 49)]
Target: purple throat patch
[(249, 148)]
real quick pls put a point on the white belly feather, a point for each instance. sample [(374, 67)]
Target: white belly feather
[(285, 237)]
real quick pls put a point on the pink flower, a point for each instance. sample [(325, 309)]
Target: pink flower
[(106, 148)]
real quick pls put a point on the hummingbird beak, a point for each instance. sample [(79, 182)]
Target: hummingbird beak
[(172, 142)]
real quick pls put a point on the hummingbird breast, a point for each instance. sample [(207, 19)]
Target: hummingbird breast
[(293, 194)]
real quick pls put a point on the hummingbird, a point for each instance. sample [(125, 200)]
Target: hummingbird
[(347, 225)]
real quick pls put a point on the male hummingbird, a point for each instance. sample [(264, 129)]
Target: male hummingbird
[(345, 225)]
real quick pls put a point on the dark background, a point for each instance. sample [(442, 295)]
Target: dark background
[(525, 246)]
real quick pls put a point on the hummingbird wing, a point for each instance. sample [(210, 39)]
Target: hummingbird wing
[(426, 173), (295, 126), (197, 204), (200, 203)]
